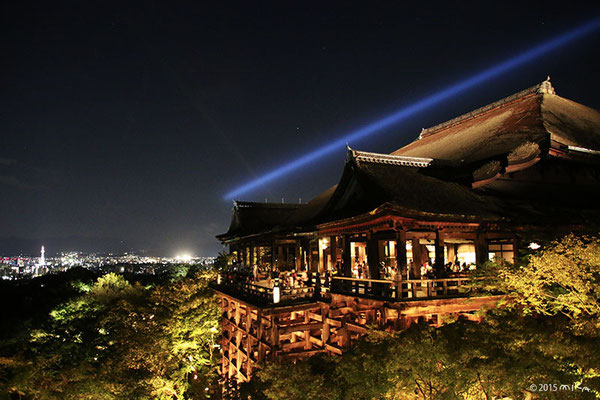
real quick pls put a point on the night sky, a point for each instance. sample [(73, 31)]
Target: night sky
[(123, 126)]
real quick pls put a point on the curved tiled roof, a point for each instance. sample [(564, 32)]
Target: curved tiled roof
[(535, 115), (251, 217)]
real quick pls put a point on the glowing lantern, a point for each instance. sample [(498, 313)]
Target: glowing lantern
[(276, 292)]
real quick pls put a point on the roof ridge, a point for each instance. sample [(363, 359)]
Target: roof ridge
[(406, 161), (247, 204), (541, 88)]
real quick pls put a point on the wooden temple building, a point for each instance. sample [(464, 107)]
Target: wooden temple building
[(413, 223)]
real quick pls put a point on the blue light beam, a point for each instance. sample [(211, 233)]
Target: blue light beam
[(420, 105)]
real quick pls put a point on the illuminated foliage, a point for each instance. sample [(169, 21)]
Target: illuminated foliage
[(499, 358), (223, 261), (121, 341), (563, 278)]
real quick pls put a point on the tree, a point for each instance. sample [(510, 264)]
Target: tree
[(563, 278), (223, 261), (498, 358), (121, 341)]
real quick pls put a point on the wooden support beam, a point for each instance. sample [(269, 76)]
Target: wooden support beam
[(273, 254), (307, 343), (356, 328), (333, 250), (274, 332), (373, 257), (333, 349), (316, 341), (291, 346), (300, 327), (401, 253), (325, 331), (417, 258), (304, 353), (481, 249), (346, 262), (315, 316), (439, 253)]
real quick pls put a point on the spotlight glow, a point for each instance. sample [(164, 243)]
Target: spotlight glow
[(419, 106), (184, 257)]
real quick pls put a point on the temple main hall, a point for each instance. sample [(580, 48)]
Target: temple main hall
[(397, 239)]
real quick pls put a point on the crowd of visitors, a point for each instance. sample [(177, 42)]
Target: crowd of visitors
[(288, 279)]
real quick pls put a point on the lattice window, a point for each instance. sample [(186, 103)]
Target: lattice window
[(502, 250)]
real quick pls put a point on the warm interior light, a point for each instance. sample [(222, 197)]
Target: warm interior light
[(276, 294)]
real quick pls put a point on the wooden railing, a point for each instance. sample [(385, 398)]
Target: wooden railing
[(400, 290), (263, 295)]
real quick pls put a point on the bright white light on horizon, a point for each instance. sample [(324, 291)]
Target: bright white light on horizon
[(184, 257), (534, 246)]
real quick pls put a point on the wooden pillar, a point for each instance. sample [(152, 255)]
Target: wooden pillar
[(274, 336), (325, 331), (305, 244), (401, 253), (273, 254), (314, 264), (307, 344), (298, 253), (346, 264), (259, 335), (515, 243), (481, 249), (417, 257), (451, 252), (249, 342), (322, 256), (333, 250), (373, 257), (439, 253)]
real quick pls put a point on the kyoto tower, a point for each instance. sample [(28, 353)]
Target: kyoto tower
[(43, 258)]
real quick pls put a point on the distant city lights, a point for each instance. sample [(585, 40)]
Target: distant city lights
[(24, 267)]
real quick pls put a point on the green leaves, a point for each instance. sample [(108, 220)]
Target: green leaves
[(563, 278), (121, 341), (498, 358)]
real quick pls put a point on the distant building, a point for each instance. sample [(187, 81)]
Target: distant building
[(43, 257)]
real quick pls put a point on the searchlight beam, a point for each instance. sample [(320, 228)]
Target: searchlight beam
[(423, 104)]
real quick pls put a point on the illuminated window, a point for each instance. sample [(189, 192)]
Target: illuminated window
[(389, 253), (501, 250)]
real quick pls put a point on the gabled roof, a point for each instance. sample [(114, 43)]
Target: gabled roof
[(416, 192), (251, 218), (370, 180), (570, 123), (535, 115)]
